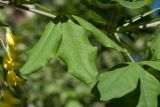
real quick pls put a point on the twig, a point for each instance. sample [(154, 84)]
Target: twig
[(154, 24), (134, 19), (125, 50), (31, 9)]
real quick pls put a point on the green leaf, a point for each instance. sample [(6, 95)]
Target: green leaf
[(117, 83), (98, 35), (154, 64), (92, 15), (150, 89), (44, 50), (132, 4), (78, 53), (156, 44)]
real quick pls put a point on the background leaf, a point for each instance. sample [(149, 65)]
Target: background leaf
[(44, 50), (98, 35), (78, 53)]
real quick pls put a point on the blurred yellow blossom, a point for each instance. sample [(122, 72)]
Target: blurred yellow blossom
[(13, 79)]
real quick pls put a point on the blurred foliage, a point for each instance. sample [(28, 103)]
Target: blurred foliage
[(53, 86)]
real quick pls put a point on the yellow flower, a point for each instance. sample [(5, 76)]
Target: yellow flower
[(13, 79), (10, 38), (8, 63)]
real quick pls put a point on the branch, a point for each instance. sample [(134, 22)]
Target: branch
[(138, 27), (31, 9)]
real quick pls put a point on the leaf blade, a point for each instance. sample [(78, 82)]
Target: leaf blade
[(78, 53), (154, 64), (113, 84), (45, 49), (150, 89), (98, 35)]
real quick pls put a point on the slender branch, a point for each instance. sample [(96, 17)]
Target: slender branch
[(31, 9), (136, 18), (125, 50), (154, 24)]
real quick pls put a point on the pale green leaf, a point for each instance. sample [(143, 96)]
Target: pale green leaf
[(102, 38), (44, 50), (155, 45), (132, 4), (78, 53), (150, 89), (117, 83)]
